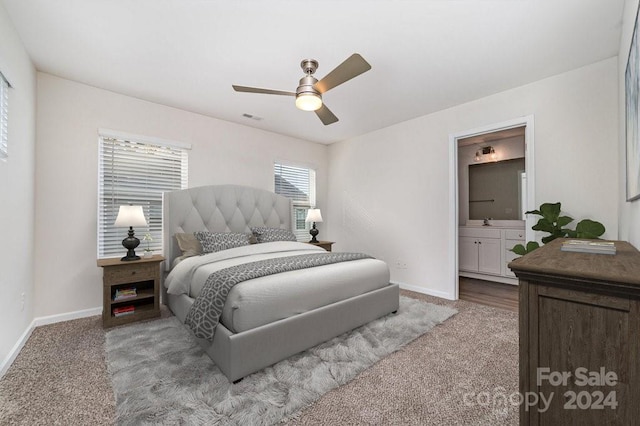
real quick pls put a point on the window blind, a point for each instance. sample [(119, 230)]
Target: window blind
[(4, 116), (298, 184), (135, 172)]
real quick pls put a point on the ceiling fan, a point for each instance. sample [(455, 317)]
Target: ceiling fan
[(310, 90)]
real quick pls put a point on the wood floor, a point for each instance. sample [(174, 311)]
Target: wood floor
[(498, 295)]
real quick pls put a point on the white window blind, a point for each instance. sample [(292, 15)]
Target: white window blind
[(4, 116), (299, 184), (135, 172)]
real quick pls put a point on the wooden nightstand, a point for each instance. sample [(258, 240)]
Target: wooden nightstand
[(324, 244), (144, 276)]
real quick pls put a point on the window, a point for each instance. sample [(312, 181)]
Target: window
[(135, 171), (299, 184), (4, 116)]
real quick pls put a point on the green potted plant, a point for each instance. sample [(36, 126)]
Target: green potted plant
[(555, 225)]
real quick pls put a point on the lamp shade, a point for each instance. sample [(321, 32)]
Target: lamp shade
[(130, 216), (313, 215)]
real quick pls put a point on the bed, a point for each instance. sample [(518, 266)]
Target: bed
[(267, 319)]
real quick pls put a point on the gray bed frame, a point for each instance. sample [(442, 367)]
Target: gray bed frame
[(233, 208)]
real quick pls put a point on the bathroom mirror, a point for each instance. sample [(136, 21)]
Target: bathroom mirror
[(496, 190)]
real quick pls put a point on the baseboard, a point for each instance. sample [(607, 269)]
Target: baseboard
[(51, 319), (485, 277), (13, 353), (436, 293)]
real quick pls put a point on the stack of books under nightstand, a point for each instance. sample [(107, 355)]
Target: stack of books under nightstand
[(121, 311), (124, 294)]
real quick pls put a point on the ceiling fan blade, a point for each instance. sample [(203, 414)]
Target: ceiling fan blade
[(325, 115), (353, 66), (263, 91)]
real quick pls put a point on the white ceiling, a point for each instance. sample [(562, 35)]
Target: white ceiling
[(426, 55)]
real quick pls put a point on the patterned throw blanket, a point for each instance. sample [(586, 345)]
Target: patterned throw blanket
[(204, 315)]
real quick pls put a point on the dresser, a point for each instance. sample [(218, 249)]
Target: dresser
[(579, 321)]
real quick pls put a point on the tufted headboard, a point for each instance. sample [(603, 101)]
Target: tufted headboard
[(220, 208)]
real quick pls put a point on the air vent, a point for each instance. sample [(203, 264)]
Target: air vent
[(251, 116)]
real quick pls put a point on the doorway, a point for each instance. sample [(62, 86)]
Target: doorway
[(483, 147)]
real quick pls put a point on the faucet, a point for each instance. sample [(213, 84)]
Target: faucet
[(485, 221)]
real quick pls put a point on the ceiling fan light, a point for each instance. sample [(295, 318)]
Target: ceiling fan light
[(308, 102)]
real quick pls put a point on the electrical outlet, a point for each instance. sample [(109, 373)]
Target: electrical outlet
[(401, 264), (22, 300)]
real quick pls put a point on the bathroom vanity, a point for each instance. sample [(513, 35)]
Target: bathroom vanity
[(484, 252)]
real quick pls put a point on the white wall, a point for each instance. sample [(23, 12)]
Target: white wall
[(629, 211), (389, 189), (69, 114), (16, 190)]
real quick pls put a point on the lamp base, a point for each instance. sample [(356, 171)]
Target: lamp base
[(314, 232), (128, 258), (130, 243)]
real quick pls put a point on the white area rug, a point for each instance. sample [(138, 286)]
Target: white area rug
[(161, 376)]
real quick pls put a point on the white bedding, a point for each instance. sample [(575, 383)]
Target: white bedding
[(263, 300)]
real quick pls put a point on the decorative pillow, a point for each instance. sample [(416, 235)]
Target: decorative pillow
[(189, 245), (217, 241), (266, 235)]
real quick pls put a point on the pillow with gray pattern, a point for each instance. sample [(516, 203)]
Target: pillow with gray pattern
[(267, 235), (217, 241)]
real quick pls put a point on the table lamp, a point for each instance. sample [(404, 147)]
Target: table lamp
[(130, 216), (313, 215)]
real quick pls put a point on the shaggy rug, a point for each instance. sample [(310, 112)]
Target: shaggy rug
[(160, 375)]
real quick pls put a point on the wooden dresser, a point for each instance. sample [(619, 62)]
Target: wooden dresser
[(579, 336)]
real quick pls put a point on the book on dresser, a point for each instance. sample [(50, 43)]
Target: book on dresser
[(589, 246)]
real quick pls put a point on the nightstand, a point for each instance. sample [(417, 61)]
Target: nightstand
[(121, 303), (324, 244)]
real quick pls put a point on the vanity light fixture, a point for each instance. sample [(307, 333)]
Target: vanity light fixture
[(487, 150), (493, 154)]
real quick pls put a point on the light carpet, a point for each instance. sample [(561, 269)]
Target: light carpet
[(161, 375)]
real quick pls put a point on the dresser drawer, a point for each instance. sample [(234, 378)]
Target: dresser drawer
[(130, 273), (514, 234)]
